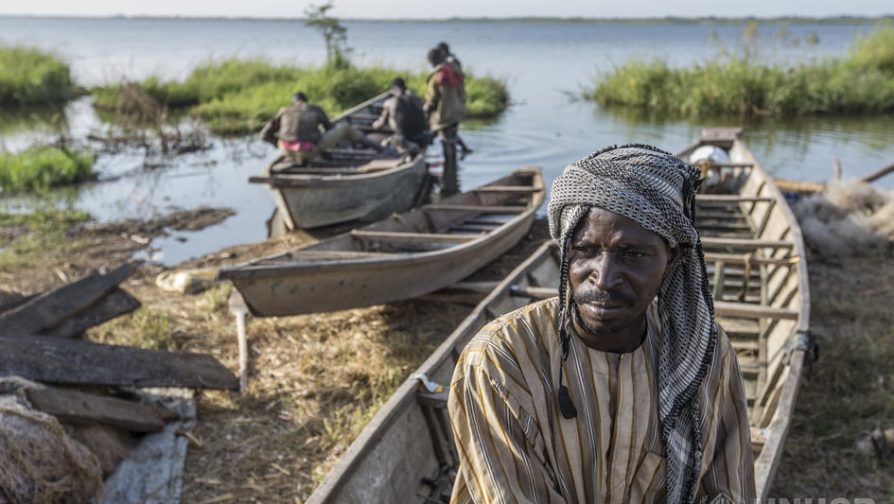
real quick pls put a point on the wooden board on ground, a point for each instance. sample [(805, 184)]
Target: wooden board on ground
[(52, 307), (153, 472), (75, 362), (116, 303), (77, 407)]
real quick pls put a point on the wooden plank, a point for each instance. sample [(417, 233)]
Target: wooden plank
[(745, 310), (76, 362), (50, 308), (712, 164), (77, 407), (114, 304), (507, 189), (745, 243), (153, 472), (396, 237), (729, 198), (742, 259), (478, 208), (13, 299)]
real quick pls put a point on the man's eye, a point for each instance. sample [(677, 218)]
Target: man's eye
[(634, 254)]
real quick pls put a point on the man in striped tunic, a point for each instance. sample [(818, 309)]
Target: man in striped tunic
[(622, 389)]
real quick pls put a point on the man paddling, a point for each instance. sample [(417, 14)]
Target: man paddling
[(302, 130), (403, 113), (623, 388)]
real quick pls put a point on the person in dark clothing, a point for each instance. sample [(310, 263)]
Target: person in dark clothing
[(302, 130), (404, 115)]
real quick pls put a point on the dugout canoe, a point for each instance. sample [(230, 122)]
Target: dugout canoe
[(755, 253), (353, 185), (404, 256)]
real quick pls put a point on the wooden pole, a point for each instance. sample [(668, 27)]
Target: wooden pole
[(239, 310), (872, 177)]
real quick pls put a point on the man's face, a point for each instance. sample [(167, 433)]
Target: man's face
[(615, 270)]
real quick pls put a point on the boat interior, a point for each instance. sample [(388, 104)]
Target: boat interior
[(455, 220), (753, 273)]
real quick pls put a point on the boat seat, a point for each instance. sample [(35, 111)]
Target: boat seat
[(752, 311), (729, 198), (477, 208), (745, 243), (397, 237)]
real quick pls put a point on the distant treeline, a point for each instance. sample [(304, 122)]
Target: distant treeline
[(523, 19)]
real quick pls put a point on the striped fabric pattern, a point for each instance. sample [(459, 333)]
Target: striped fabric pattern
[(515, 446)]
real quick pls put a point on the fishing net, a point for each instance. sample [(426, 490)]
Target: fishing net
[(848, 218), (39, 463)]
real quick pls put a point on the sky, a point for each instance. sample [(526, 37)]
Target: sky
[(427, 9)]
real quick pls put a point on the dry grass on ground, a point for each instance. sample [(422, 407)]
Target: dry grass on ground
[(315, 379), (849, 391)]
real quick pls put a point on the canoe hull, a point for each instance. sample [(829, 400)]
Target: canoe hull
[(396, 457), (327, 288), (328, 200)]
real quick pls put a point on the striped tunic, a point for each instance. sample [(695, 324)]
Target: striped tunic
[(515, 446)]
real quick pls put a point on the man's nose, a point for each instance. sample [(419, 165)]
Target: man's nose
[(606, 272)]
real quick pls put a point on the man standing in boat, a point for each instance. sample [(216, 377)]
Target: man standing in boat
[(445, 105), (623, 388), (404, 115), (298, 134)]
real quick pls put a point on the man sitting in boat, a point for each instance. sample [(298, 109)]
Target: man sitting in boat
[(623, 388), (296, 129), (403, 114)]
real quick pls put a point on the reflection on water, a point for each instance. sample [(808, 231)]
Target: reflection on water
[(543, 62)]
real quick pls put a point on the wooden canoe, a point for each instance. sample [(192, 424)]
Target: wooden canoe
[(406, 453), (404, 256), (353, 185)]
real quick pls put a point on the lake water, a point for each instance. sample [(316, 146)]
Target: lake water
[(544, 63)]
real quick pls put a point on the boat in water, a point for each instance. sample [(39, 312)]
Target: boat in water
[(349, 185), (754, 251), (404, 256)]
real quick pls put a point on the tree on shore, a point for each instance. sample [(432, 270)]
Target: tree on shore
[(334, 33)]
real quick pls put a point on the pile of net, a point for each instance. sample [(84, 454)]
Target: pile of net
[(848, 218), (39, 462)]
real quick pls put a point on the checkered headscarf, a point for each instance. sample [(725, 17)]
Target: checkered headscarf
[(657, 190)]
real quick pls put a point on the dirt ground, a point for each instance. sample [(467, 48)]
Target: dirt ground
[(316, 379)]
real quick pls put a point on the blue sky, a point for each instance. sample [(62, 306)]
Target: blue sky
[(452, 8)]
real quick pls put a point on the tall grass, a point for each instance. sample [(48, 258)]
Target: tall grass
[(862, 82), (236, 96), (40, 168), (29, 76)]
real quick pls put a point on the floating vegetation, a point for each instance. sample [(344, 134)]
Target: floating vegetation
[(41, 167), (29, 76), (861, 83), (237, 95)]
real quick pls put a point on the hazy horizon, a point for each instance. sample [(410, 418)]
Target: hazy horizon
[(392, 10)]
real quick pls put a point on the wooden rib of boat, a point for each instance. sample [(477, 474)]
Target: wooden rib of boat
[(404, 256), (755, 254), (351, 186)]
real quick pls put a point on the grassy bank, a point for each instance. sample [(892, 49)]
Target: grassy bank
[(40, 168), (32, 77), (26, 239), (237, 96), (860, 83)]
